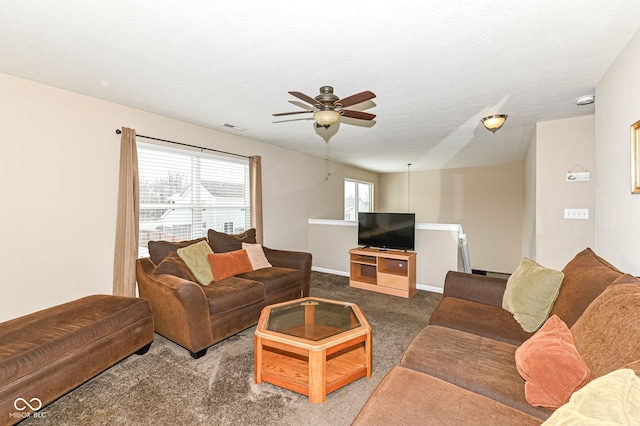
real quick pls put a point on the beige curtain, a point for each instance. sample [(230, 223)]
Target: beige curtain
[(127, 219), (255, 182)]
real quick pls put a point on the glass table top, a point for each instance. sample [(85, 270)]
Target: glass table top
[(312, 319)]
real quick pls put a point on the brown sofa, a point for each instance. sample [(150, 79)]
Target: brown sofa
[(46, 354), (461, 369), (196, 316)]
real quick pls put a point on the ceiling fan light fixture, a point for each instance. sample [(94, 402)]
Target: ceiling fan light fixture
[(326, 118), (494, 122)]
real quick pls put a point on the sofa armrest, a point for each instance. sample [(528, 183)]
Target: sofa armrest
[(180, 308), (292, 259), (477, 288)]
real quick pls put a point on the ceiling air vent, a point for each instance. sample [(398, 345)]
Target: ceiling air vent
[(231, 126)]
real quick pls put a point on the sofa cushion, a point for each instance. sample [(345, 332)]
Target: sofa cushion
[(477, 318), (585, 277), (221, 242), (407, 397), (613, 399), (158, 250), (232, 293), (224, 265), (607, 335), (476, 363), (256, 256), (551, 365), (477, 288), (275, 279), (173, 264), (530, 293), (195, 256)]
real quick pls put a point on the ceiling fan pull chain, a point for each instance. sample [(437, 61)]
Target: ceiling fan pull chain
[(327, 160)]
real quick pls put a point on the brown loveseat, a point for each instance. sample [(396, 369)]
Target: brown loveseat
[(461, 368), (197, 316)]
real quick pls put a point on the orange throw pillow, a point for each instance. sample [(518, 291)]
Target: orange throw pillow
[(227, 264), (551, 365)]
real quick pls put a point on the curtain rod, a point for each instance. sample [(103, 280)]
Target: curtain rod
[(118, 131)]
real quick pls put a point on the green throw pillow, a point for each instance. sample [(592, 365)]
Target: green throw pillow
[(196, 258), (530, 293)]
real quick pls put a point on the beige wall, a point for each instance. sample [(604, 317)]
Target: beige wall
[(618, 211), (560, 146), (295, 189), (59, 168), (330, 242), (486, 201), (529, 205)]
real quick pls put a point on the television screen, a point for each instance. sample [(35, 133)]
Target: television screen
[(387, 230)]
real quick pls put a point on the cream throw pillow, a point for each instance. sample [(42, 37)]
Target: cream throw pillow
[(530, 293), (196, 258), (613, 399), (256, 256)]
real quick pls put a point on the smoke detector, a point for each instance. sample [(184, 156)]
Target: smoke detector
[(586, 100)]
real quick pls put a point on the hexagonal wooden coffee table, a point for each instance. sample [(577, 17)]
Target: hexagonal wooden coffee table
[(312, 346)]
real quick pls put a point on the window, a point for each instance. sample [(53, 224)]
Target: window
[(358, 197), (184, 193)]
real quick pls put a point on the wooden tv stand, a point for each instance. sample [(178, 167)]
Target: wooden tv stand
[(385, 271)]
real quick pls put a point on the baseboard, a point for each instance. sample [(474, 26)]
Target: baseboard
[(430, 288), (329, 271)]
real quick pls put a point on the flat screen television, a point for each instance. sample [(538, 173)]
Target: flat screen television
[(387, 230)]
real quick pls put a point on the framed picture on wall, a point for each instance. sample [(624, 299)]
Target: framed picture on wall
[(635, 157)]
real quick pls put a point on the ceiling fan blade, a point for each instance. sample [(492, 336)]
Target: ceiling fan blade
[(356, 99), (305, 98), (289, 113), (360, 115)]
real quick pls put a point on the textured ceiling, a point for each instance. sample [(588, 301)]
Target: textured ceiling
[(436, 67)]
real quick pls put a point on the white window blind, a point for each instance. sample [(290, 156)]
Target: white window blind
[(184, 193)]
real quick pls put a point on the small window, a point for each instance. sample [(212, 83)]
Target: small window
[(358, 197)]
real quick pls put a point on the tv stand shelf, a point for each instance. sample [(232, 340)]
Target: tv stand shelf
[(384, 271)]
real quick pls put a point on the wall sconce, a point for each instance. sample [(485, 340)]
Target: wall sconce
[(494, 122)]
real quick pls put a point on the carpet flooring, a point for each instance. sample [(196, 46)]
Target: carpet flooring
[(166, 386)]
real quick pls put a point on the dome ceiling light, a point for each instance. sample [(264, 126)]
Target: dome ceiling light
[(493, 123)]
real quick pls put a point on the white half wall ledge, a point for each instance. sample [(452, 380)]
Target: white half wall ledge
[(421, 226), (332, 222), (437, 247)]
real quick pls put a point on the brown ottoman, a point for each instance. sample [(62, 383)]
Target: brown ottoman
[(46, 354)]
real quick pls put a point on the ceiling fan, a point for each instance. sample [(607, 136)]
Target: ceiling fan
[(327, 107)]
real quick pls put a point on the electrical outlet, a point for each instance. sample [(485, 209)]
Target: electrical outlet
[(576, 213)]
